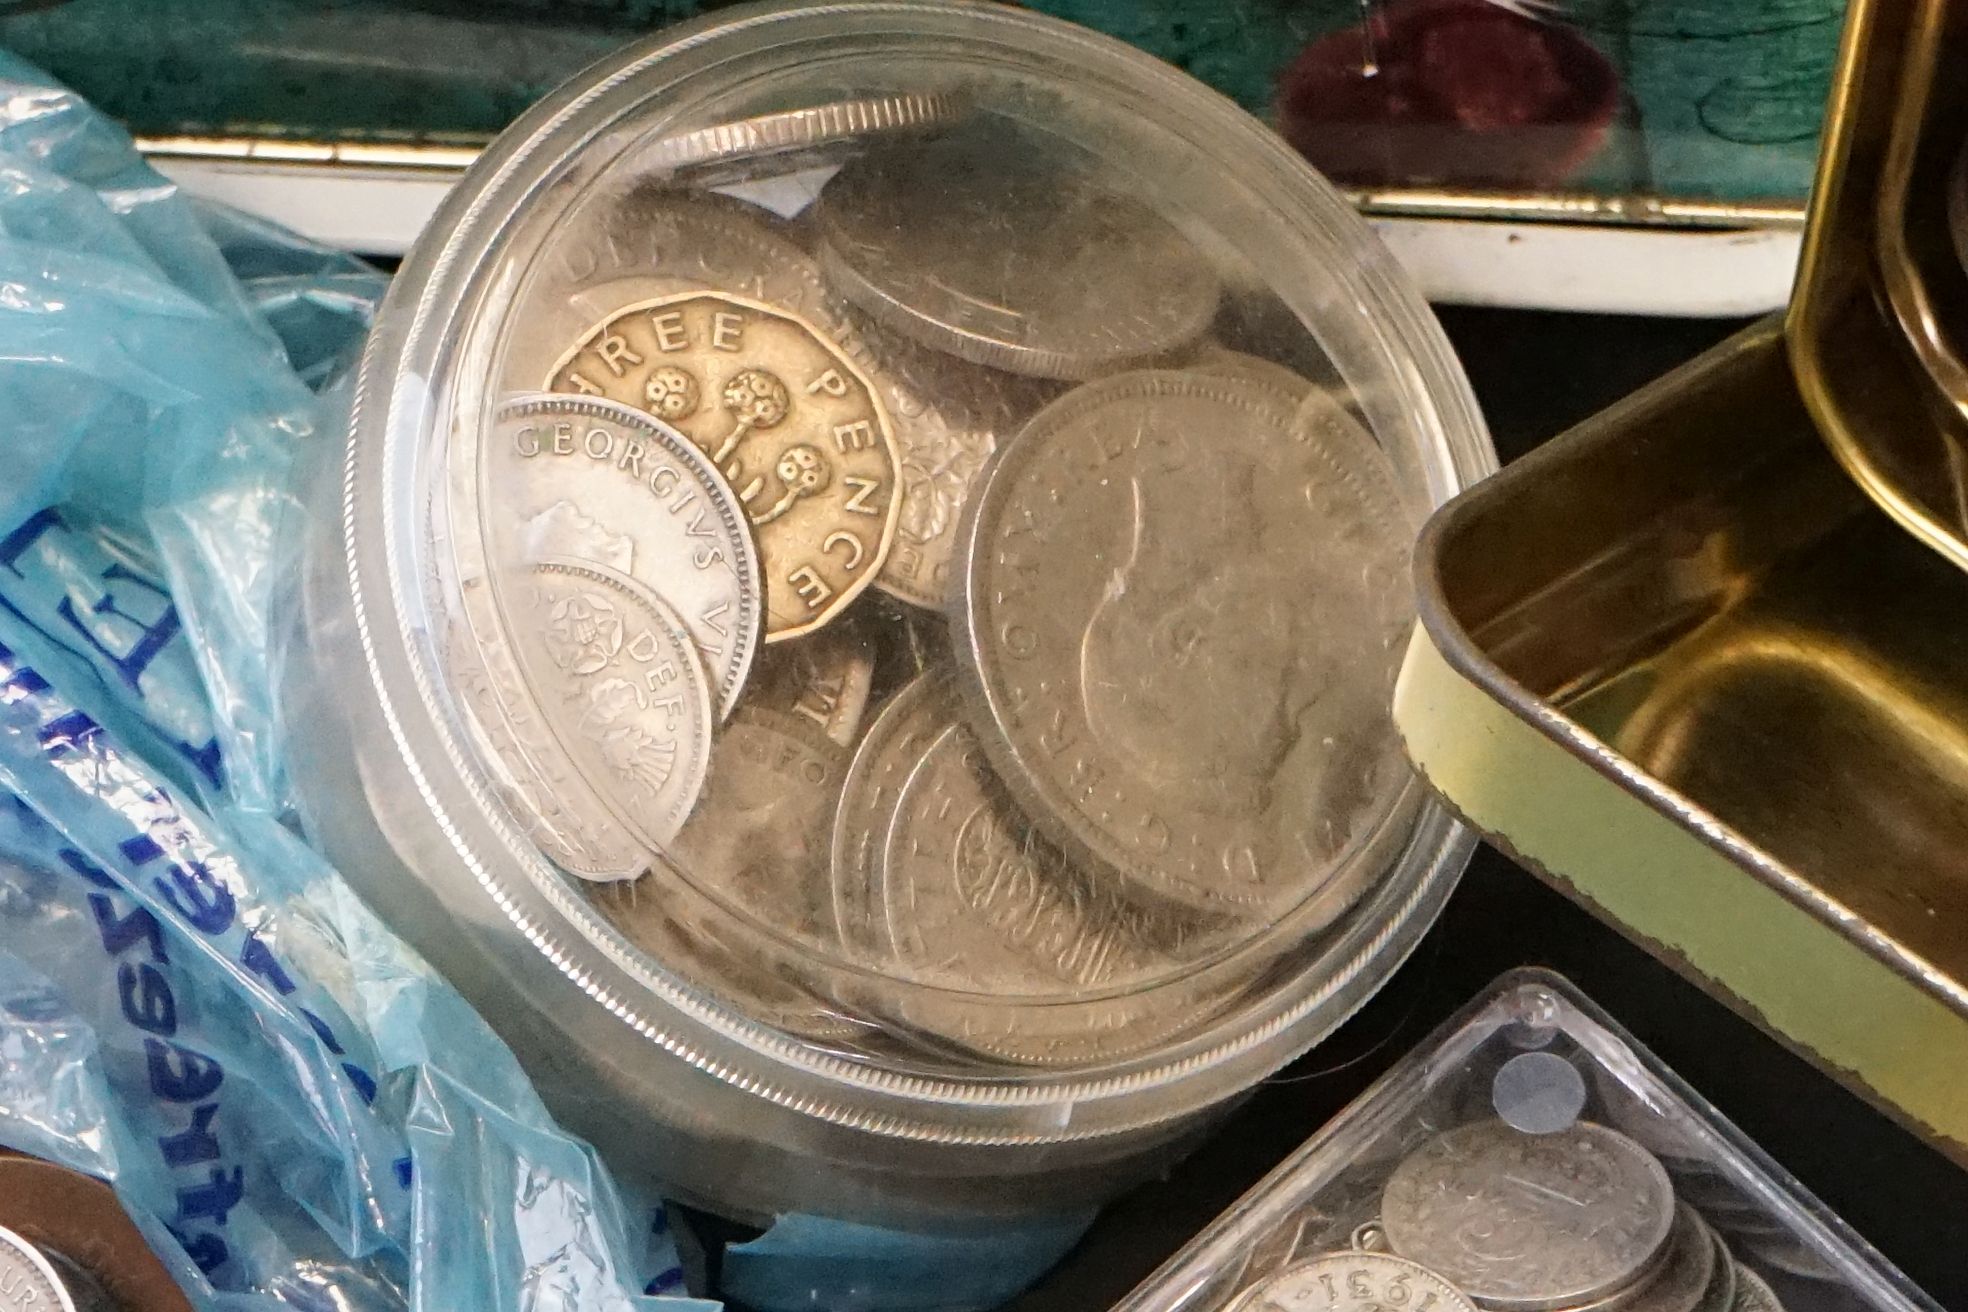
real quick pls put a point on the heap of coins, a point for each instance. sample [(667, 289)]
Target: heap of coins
[(921, 585), (1485, 1216)]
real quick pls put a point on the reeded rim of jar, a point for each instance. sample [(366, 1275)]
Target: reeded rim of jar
[(408, 405)]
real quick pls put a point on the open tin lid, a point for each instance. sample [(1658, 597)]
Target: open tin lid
[(1878, 329)]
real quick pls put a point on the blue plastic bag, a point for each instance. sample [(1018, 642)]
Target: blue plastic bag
[(192, 1004)]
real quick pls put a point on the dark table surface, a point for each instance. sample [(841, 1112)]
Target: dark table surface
[(1536, 375)]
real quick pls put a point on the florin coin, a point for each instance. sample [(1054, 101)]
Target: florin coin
[(949, 416), (793, 425), (992, 917), (618, 678), (991, 247), (1180, 617), (561, 815), (758, 843), (895, 743), (707, 156), (824, 677), (1522, 1221), (1355, 1282), (1753, 1293), (582, 478), (27, 1281)]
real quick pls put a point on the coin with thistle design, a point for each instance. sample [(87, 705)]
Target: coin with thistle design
[(788, 419)]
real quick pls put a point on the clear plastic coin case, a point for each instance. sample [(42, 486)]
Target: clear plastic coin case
[(1528, 1156)]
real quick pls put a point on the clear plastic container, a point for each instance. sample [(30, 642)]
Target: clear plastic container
[(864, 594), (1529, 1155)]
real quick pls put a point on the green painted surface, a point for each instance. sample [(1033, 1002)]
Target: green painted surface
[(1723, 97), (1856, 1017)]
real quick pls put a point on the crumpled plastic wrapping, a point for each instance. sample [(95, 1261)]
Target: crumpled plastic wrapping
[(192, 1004)]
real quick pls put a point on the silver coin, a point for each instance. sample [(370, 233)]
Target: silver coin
[(582, 478), (1355, 1282), (1028, 958), (650, 243), (794, 138), (641, 911), (824, 677), (618, 678), (949, 416), (895, 742), (1753, 1293), (1211, 358), (1682, 1278), (1719, 1295), (560, 814), (1180, 616), (27, 1282), (1522, 1221), (758, 842), (994, 248)]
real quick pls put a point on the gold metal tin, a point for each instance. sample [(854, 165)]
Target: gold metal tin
[(1879, 327), (1681, 667)]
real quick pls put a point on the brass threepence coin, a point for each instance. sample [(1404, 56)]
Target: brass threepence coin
[(792, 424), (1180, 616)]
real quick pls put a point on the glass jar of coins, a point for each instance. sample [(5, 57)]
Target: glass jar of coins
[(1528, 1158), (863, 600)]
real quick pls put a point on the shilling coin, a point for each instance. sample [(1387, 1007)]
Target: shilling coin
[(650, 915), (27, 1281), (1180, 616), (793, 425), (1355, 1282), (561, 815), (949, 416), (758, 843), (1522, 1221), (583, 478), (1029, 956), (794, 138), (908, 722), (1753, 1293), (982, 246), (618, 678), (824, 677)]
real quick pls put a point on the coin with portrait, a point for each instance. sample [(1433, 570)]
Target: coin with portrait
[(1182, 608)]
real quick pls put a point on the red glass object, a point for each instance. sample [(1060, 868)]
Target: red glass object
[(1449, 92)]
